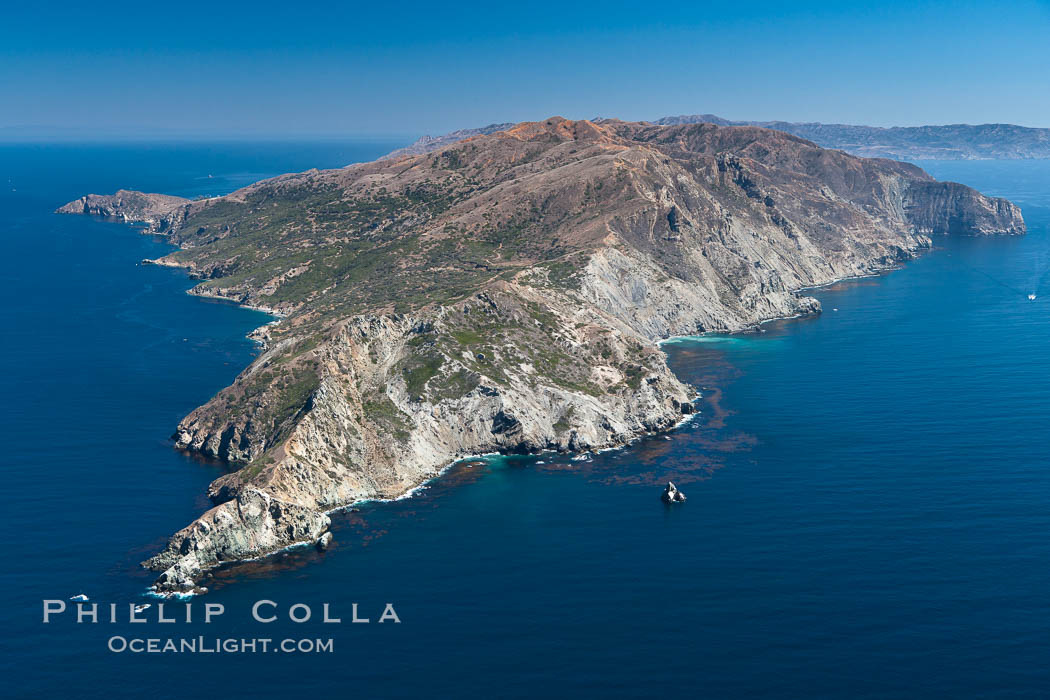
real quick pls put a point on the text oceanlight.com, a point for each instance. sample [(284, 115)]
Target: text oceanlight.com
[(205, 645)]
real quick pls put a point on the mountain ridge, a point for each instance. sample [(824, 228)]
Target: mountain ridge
[(932, 142)]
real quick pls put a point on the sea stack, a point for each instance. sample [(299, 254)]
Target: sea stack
[(671, 494)]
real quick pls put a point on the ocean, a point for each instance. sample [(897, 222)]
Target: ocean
[(868, 488)]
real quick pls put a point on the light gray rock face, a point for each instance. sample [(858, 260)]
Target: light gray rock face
[(251, 525), (658, 306)]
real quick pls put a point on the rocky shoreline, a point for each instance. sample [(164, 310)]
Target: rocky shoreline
[(573, 250)]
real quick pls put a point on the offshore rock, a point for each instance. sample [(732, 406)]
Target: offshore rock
[(671, 494)]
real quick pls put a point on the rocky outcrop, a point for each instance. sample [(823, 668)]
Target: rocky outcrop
[(671, 494), (951, 208), (251, 525), (506, 294), (160, 212)]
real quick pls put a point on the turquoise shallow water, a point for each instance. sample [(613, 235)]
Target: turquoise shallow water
[(868, 489)]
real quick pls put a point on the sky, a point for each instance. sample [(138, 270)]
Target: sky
[(402, 68)]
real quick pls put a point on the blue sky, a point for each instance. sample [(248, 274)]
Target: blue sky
[(404, 68)]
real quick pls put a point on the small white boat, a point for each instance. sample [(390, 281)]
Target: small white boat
[(140, 608), (79, 597), (1031, 297)]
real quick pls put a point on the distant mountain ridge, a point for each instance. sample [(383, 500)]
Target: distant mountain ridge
[(945, 142), (428, 143)]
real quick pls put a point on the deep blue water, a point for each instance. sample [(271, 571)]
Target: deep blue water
[(868, 490)]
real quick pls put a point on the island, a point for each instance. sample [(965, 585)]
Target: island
[(931, 142), (506, 293)]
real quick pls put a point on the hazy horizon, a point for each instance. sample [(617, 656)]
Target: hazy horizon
[(273, 70), (31, 133)]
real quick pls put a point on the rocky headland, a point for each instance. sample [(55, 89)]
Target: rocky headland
[(504, 293), (428, 143)]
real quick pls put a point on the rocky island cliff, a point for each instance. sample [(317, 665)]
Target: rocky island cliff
[(504, 293)]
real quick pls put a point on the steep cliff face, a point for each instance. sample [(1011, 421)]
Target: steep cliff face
[(948, 207), (505, 294), (160, 212)]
